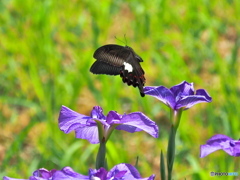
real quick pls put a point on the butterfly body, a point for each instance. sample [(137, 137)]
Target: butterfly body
[(113, 59)]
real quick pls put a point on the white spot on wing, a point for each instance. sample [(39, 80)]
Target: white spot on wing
[(128, 67)]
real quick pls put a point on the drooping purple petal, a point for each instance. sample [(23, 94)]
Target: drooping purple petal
[(67, 173), (89, 133), (85, 127), (126, 171), (161, 93), (44, 173), (219, 141), (203, 92), (70, 120), (236, 150), (8, 178), (40, 174), (207, 149), (137, 121)]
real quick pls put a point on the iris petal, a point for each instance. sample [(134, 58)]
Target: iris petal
[(126, 171), (89, 133), (97, 113), (161, 93), (69, 120), (137, 121), (190, 101), (178, 96), (220, 141), (184, 88)]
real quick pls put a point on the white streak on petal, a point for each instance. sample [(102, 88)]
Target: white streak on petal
[(95, 178)]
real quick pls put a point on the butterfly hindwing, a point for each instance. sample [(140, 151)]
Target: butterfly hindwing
[(100, 67)]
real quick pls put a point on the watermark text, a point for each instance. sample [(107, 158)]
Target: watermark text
[(224, 173)]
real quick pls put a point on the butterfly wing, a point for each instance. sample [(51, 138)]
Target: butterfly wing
[(114, 59), (101, 67), (113, 54), (133, 74)]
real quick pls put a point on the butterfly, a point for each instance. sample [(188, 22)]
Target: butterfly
[(114, 59)]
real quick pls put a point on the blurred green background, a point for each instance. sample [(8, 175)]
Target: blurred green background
[(46, 50)]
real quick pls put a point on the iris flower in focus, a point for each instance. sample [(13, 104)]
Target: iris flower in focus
[(98, 127), (178, 96)]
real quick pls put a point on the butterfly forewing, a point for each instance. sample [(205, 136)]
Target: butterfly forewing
[(115, 55), (114, 59)]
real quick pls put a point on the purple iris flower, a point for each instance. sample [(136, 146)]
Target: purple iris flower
[(66, 173), (87, 127), (220, 141), (126, 171), (179, 96), (118, 172)]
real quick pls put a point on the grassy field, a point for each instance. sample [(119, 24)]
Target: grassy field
[(46, 50)]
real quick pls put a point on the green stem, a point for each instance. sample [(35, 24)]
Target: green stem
[(100, 162), (171, 152), (175, 117), (103, 137)]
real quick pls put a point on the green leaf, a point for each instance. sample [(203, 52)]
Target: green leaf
[(171, 152), (162, 167)]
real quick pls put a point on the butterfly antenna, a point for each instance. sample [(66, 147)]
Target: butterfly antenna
[(125, 39), (125, 43)]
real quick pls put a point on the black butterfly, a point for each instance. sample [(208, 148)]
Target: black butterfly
[(114, 60)]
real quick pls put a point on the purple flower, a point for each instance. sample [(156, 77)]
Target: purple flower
[(66, 173), (179, 96), (87, 127), (219, 141), (118, 172), (126, 171)]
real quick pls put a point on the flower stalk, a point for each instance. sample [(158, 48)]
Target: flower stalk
[(171, 152), (178, 98), (101, 156), (176, 117)]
